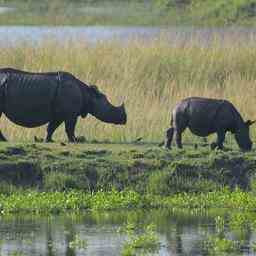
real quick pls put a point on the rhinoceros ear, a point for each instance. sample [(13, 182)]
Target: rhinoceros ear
[(249, 122), (94, 89)]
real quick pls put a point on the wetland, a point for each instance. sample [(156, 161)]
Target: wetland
[(118, 192)]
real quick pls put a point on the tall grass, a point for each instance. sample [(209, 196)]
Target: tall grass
[(122, 12), (77, 13), (150, 77)]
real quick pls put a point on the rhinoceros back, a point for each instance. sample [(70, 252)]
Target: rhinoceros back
[(29, 97)]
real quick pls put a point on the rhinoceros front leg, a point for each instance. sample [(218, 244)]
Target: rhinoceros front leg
[(70, 129), (2, 138), (220, 140), (52, 126)]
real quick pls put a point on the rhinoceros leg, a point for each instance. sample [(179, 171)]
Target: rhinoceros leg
[(178, 130), (220, 140), (52, 126), (168, 138), (180, 123), (2, 138), (178, 138), (70, 125)]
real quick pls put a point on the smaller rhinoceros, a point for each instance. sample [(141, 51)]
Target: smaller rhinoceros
[(204, 116)]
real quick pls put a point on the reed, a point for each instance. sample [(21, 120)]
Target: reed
[(151, 77), (122, 12)]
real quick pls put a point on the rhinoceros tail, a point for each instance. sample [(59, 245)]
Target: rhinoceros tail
[(172, 119), (162, 143)]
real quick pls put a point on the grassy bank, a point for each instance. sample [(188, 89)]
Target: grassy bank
[(140, 168), (150, 77), (152, 12)]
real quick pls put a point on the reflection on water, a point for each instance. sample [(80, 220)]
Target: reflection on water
[(5, 9), (93, 34), (180, 233)]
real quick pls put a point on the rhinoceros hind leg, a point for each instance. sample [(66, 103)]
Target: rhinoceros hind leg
[(168, 138), (178, 138), (70, 129), (52, 126), (2, 138)]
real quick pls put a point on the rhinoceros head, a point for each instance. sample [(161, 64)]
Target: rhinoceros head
[(242, 136), (103, 110)]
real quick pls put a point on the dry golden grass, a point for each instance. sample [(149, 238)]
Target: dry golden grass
[(150, 77)]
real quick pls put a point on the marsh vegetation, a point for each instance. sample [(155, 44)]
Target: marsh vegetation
[(117, 168), (116, 12), (150, 77)]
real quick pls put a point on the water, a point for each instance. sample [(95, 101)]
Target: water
[(92, 34), (180, 233), (4, 9)]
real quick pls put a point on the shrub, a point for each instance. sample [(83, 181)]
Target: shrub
[(57, 181)]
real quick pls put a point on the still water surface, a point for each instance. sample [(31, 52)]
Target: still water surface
[(92, 34), (180, 233)]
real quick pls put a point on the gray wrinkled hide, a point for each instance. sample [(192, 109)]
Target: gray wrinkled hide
[(34, 99), (204, 116)]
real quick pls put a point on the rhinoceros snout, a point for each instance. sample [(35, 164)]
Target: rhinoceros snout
[(247, 147), (123, 115)]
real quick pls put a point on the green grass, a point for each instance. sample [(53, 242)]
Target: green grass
[(144, 168), (152, 12), (221, 12)]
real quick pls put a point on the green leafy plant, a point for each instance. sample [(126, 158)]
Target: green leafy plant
[(78, 243), (220, 225), (217, 246), (145, 242)]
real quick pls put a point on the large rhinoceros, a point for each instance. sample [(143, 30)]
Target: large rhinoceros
[(204, 116), (34, 99)]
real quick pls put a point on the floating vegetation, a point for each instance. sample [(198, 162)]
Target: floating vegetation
[(144, 242), (57, 202), (220, 246), (219, 225), (78, 243)]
